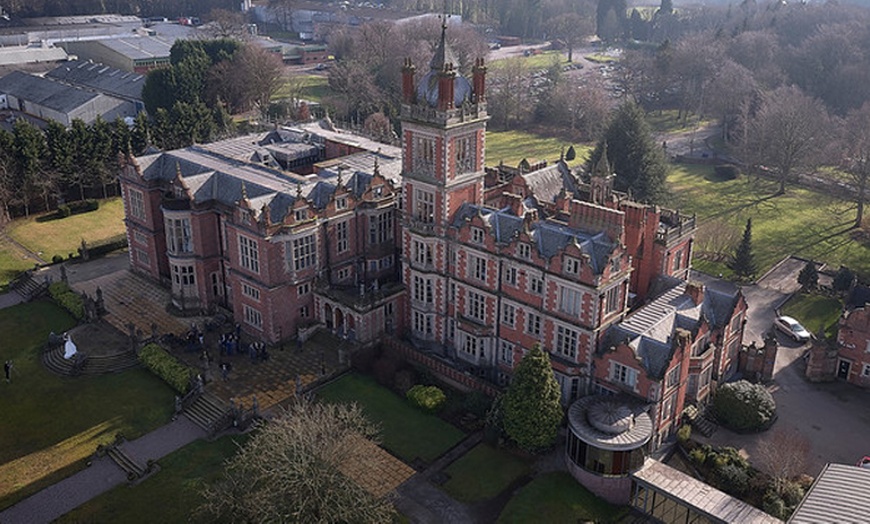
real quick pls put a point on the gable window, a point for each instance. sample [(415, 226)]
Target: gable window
[(476, 306), (304, 254), (566, 342), (477, 235), (341, 237), (623, 374), (137, 204), (571, 266), (508, 315), (380, 228), (301, 214), (378, 191), (341, 203), (424, 206), (178, 236), (524, 251), (248, 254)]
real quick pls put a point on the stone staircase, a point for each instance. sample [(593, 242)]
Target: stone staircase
[(210, 413), (704, 423), (28, 288), (82, 364), (133, 469)]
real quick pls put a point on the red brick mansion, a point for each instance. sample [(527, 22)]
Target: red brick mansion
[(468, 265)]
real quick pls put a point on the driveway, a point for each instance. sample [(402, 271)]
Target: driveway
[(833, 417)]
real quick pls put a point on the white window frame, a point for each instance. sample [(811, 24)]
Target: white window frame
[(249, 254), (477, 235), (304, 252), (524, 251), (250, 292), (476, 306), (253, 317), (567, 342), (508, 315), (511, 276), (865, 371), (477, 267), (570, 301), (137, 204), (179, 236), (534, 323), (303, 289), (612, 303), (424, 205), (536, 285), (571, 266), (506, 352)]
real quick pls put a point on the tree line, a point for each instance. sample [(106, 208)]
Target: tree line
[(146, 8)]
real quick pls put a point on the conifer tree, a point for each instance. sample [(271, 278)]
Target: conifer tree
[(743, 264), (532, 409), (636, 158), (808, 278)]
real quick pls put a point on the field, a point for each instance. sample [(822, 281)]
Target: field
[(511, 147), (51, 423), (542, 60), (802, 222), (311, 87)]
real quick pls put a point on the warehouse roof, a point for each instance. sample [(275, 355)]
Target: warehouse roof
[(100, 77)]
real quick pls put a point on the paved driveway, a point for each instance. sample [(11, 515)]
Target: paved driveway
[(833, 417)]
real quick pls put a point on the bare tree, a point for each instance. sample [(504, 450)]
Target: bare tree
[(511, 98), (784, 454), (227, 24), (788, 134), (731, 91), (284, 11), (291, 470), (855, 152), (572, 29)]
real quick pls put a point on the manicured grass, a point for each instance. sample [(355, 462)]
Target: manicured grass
[(51, 423), (170, 495), (513, 146), (557, 497), (483, 473), (312, 87), (667, 121), (12, 262), (405, 431), (542, 60), (64, 236), (810, 224), (815, 312)]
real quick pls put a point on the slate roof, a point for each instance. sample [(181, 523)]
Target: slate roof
[(46, 92), (547, 183), (550, 238), (140, 47), (637, 435), (841, 493), (389, 165), (704, 498)]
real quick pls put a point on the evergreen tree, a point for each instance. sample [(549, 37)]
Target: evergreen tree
[(743, 264), (636, 158), (122, 137), (29, 152), (843, 279), (140, 136), (532, 412), (808, 278)]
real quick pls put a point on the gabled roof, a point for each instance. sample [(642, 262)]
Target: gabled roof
[(45, 92), (550, 238), (100, 77), (841, 493), (546, 183)]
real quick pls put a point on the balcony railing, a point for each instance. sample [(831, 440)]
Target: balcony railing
[(684, 226)]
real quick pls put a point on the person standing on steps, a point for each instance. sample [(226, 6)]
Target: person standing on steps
[(7, 368)]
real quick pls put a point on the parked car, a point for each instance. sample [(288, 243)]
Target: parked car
[(791, 328), (864, 463)]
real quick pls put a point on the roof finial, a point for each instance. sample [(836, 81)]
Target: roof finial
[(298, 190), (377, 168), (244, 191), (602, 168)]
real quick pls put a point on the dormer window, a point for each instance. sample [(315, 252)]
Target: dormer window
[(571, 266), (378, 191), (301, 214), (524, 251), (341, 203), (477, 235)]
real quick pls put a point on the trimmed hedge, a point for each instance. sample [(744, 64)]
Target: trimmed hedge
[(75, 208), (108, 245), (68, 299), (167, 367), (427, 398)]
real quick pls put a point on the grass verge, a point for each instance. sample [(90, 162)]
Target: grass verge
[(12, 262), (483, 473), (52, 423), (406, 432), (815, 312), (49, 237), (557, 497), (170, 495)]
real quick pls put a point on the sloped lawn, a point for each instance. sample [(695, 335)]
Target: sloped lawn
[(557, 497), (405, 431), (51, 423), (483, 473)]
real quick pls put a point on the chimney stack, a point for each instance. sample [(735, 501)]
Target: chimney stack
[(446, 79), (408, 70), (478, 81)]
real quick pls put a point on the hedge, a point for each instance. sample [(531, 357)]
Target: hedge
[(167, 367), (743, 406), (107, 246), (75, 208), (427, 398), (68, 299)]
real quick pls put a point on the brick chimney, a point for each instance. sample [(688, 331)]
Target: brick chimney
[(696, 291), (478, 81), (408, 70), (445, 87)]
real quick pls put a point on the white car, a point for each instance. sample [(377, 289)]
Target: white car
[(792, 328)]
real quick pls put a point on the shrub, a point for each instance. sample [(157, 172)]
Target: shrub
[(75, 208), (743, 406), (733, 479), (68, 299), (792, 493), (477, 403), (427, 398), (63, 211), (684, 434), (774, 505), (107, 246), (843, 279), (165, 366), (56, 259), (726, 172), (698, 456)]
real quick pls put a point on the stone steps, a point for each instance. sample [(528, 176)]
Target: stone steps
[(28, 289), (209, 413), (53, 360), (133, 469)]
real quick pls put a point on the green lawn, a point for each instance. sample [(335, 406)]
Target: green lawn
[(51, 423), (407, 432), (170, 495), (64, 236), (512, 146), (667, 121), (12, 262), (312, 87), (483, 473), (557, 497), (803, 222), (542, 60), (815, 312)]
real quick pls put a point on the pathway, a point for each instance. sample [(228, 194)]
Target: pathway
[(103, 475)]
